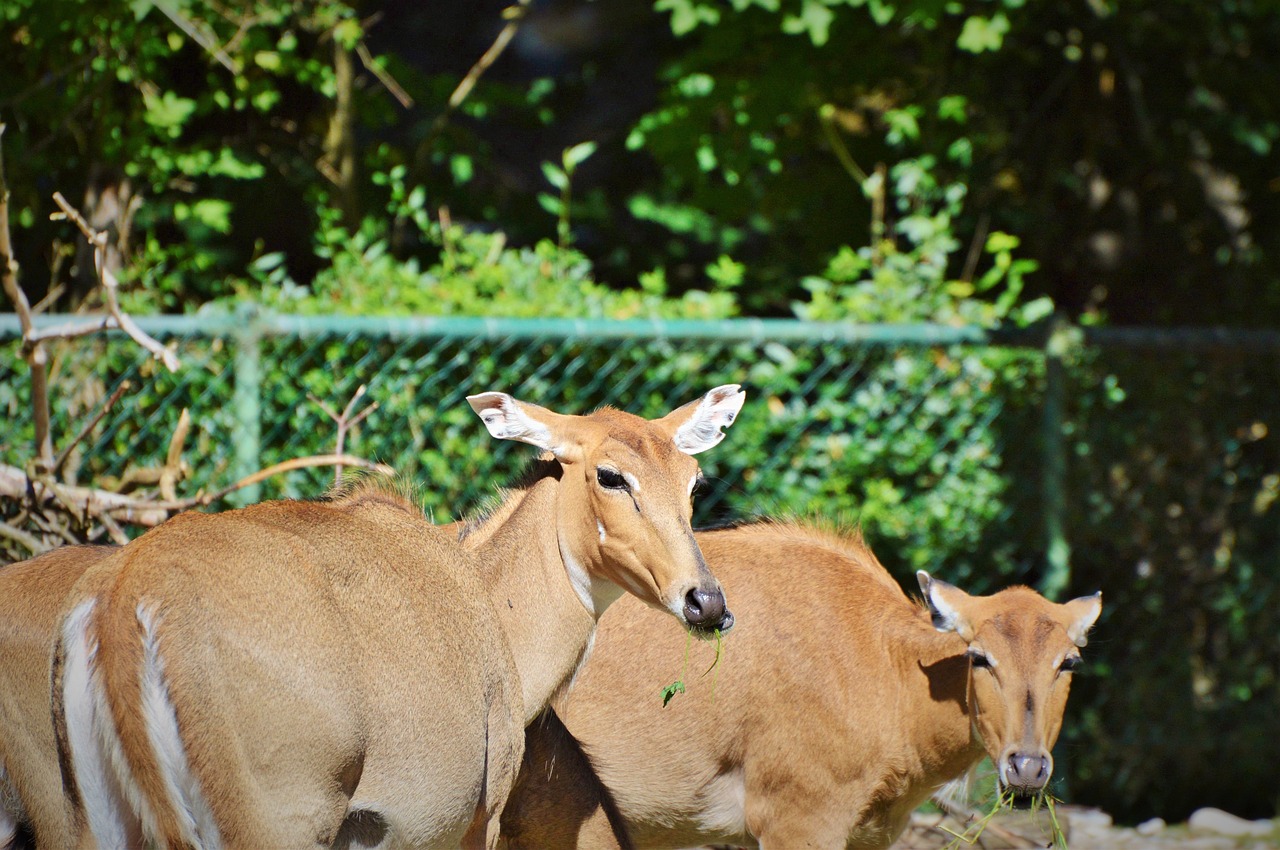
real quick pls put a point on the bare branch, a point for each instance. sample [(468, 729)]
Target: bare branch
[(198, 35), (15, 484), (344, 422), (255, 478), (110, 286), (113, 529), (174, 469), (27, 541), (88, 427), (32, 352), (54, 293), (71, 330), (388, 81)]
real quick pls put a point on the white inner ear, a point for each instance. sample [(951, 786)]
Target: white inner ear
[(945, 617), (506, 420), (715, 411), (1079, 630)]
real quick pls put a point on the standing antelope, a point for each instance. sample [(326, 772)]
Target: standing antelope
[(31, 596), (840, 706), (299, 674)]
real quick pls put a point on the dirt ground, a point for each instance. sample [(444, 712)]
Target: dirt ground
[(1091, 829)]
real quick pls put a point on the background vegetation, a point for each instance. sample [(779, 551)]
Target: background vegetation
[(957, 161)]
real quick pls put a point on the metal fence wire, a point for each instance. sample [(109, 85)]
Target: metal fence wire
[(911, 421), (1145, 463)]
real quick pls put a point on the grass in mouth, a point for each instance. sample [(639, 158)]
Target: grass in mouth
[(1004, 803), (678, 686)]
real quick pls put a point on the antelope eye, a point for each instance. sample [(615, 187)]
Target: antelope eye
[(1071, 662), (610, 479), (978, 659)]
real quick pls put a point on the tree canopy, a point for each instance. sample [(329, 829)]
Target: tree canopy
[(765, 150)]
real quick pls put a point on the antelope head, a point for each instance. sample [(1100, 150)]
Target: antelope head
[(623, 518), (1022, 649)]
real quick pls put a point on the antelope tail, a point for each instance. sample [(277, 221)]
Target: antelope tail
[(128, 765)]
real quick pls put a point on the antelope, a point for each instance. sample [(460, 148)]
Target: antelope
[(343, 673), (31, 793), (840, 706)]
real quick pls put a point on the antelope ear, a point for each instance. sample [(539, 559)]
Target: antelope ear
[(509, 419), (697, 426), (945, 602), (1082, 613)]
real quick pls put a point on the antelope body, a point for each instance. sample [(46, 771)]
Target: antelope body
[(839, 706), (343, 673), (31, 596)]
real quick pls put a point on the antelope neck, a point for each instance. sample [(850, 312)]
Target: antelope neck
[(938, 687), (548, 629)]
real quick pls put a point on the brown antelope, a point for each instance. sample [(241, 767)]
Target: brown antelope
[(299, 674), (838, 708), (31, 596)]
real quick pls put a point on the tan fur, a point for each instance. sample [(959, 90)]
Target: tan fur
[(31, 596), (836, 710), (343, 672)]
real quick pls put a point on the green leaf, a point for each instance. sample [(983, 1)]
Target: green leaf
[(462, 168), (555, 176), (981, 34), (213, 213), (676, 687), (168, 111), (953, 107), (814, 18), (550, 203), (576, 155), (999, 242), (686, 15), (268, 60)]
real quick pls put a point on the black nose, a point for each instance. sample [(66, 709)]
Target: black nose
[(705, 608), (1028, 772)]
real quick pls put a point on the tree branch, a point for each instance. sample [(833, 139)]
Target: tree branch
[(110, 286)]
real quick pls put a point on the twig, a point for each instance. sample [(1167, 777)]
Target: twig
[(32, 545), (173, 469), (388, 81), (92, 502), (16, 484), (344, 422), (975, 247), (69, 330), (54, 293), (513, 15), (200, 38), (110, 286), (88, 427), (113, 529), (255, 478), (32, 351)]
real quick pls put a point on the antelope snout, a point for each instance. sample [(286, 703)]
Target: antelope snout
[(1026, 773), (706, 610)]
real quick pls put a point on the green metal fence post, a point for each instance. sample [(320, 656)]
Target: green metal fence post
[(1062, 337), (247, 402)]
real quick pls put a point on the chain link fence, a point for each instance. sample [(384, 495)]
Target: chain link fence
[(888, 426), (1148, 463)]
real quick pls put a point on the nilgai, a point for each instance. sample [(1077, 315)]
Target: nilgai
[(839, 706), (311, 674), (31, 596)]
